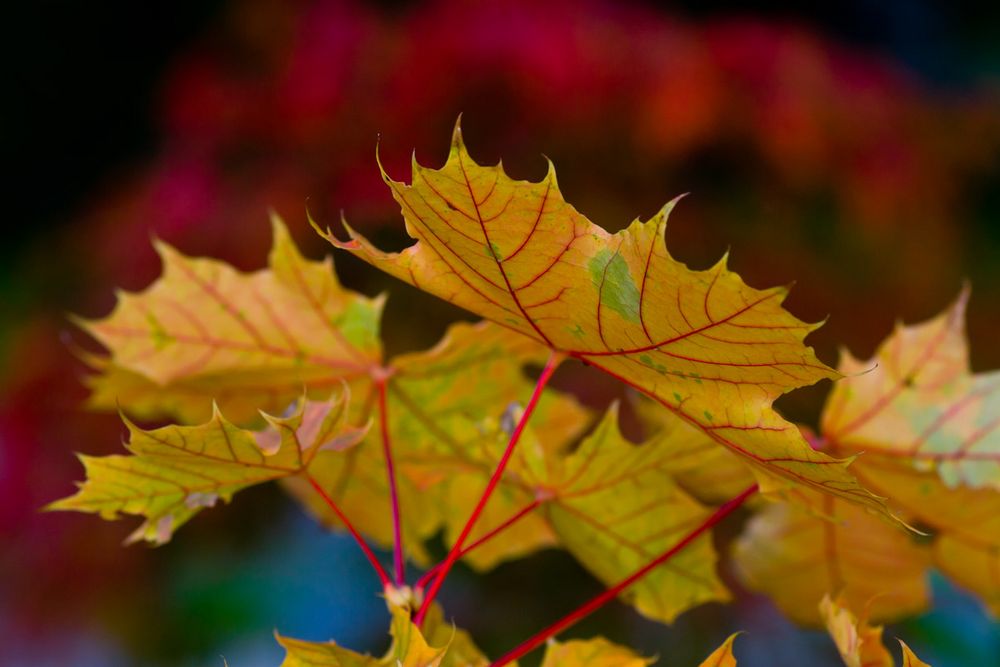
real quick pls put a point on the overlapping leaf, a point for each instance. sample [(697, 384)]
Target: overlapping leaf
[(925, 427), (722, 656), (597, 652), (615, 509), (710, 473), (175, 471), (923, 404), (797, 556), (205, 331), (860, 644), (438, 645), (711, 349)]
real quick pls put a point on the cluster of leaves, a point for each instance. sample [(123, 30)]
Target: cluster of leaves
[(395, 450)]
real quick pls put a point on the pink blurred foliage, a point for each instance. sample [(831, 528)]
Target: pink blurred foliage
[(281, 107)]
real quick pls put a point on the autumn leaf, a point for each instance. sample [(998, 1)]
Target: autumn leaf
[(205, 331), (175, 471), (597, 652), (965, 522), (928, 427), (710, 473), (922, 403), (798, 554), (410, 648), (446, 435), (859, 644), (709, 348), (722, 656), (615, 509)]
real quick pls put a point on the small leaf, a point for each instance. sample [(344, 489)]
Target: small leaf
[(175, 471), (722, 656), (859, 644), (596, 652), (620, 303), (437, 646)]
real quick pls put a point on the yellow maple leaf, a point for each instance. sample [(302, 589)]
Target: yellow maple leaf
[(708, 347), (205, 331), (596, 652), (858, 642), (722, 656), (920, 402), (797, 555), (175, 471), (411, 647)]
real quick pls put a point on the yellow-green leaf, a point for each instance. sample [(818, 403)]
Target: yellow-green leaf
[(708, 347), (710, 473), (918, 400), (798, 554), (596, 652), (205, 331), (436, 646), (615, 508), (722, 656), (175, 471)]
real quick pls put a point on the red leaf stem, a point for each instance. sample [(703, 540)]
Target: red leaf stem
[(422, 581), (600, 600), (398, 561), (550, 366), (379, 570)]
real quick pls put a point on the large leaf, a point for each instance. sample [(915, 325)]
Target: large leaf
[(175, 471), (920, 402), (798, 555), (205, 331), (708, 347)]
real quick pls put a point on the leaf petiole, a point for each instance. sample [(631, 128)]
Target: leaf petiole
[(379, 570), (517, 516), (555, 358), (600, 600)]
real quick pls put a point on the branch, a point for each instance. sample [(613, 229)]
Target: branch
[(379, 570), (550, 366), (599, 601)]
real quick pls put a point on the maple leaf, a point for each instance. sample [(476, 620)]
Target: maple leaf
[(596, 652), (708, 347), (860, 644), (205, 331), (614, 508), (722, 656), (922, 404), (965, 522), (445, 436), (410, 648), (796, 554), (175, 471), (710, 473)]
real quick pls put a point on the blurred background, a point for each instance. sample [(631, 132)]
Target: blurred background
[(851, 147)]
